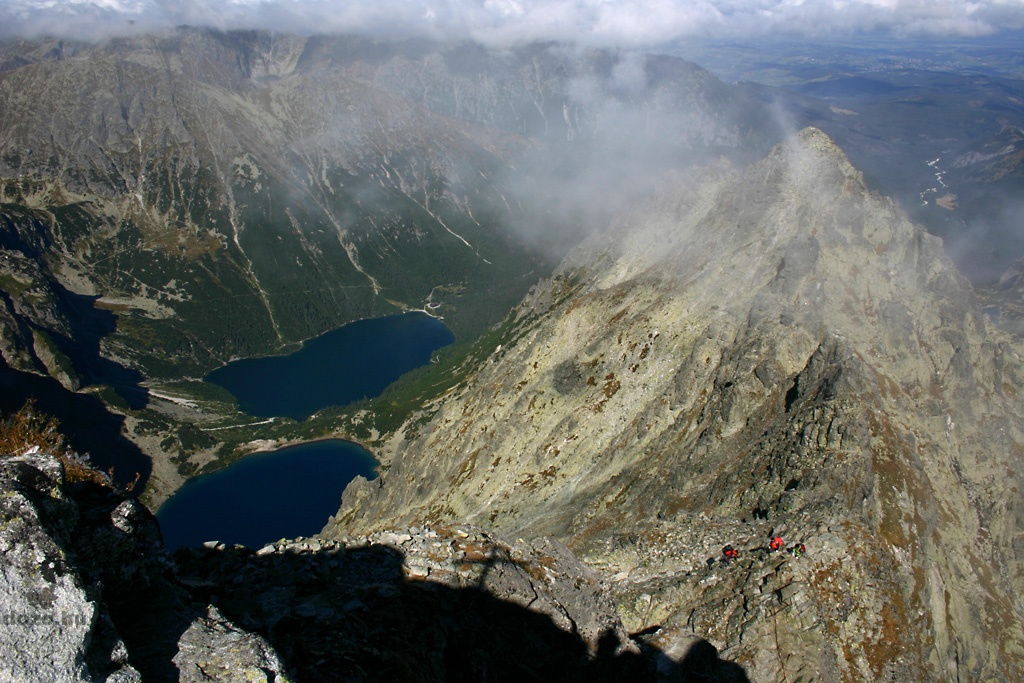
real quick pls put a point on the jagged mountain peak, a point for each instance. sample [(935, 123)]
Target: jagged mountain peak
[(807, 164), (770, 348), (797, 235), (792, 252)]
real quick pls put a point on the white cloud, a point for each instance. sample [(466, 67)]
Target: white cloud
[(624, 22)]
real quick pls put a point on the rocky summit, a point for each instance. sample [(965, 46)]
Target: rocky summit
[(753, 352)]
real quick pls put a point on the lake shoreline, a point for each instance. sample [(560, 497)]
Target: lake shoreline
[(259, 491), (156, 497), (292, 347), (356, 361)]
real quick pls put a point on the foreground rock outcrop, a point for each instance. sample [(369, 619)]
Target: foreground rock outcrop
[(54, 630), (89, 594), (423, 604), (763, 351)]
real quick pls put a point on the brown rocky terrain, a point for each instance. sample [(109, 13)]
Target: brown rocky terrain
[(754, 351)]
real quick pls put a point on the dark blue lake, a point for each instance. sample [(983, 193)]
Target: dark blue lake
[(353, 362), (265, 496)]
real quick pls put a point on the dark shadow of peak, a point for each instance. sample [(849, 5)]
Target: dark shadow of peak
[(90, 325), (354, 616), (702, 664), (360, 614), (66, 325)]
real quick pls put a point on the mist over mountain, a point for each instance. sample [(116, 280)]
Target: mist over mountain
[(216, 195), (934, 124), (757, 351)]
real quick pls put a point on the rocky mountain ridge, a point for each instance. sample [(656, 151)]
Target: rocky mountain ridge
[(754, 351), (769, 349)]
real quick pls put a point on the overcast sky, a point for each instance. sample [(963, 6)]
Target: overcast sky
[(604, 22)]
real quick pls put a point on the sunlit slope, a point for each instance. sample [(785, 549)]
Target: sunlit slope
[(763, 349)]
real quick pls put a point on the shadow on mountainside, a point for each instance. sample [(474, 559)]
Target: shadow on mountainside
[(352, 614), (330, 611), (118, 547), (90, 325), (702, 663), (73, 322), (87, 423)]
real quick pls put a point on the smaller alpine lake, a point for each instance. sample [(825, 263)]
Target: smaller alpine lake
[(264, 497)]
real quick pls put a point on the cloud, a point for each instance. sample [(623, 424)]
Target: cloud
[(596, 22)]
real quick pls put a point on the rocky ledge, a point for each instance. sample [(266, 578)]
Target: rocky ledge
[(90, 594)]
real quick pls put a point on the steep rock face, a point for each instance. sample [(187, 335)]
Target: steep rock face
[(88, 592), (54, 630), (32, 315), (762, 350)]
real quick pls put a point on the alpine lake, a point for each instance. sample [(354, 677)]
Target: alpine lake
[(292, 491)]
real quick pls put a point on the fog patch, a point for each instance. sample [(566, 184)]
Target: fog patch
[(509, 22)]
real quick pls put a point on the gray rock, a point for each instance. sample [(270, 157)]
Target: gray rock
[(53, 627), (214, 649), (84, 565)]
